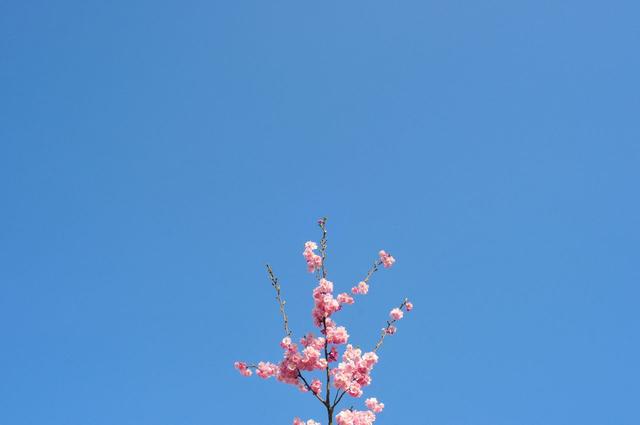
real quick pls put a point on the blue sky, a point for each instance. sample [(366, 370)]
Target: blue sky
[(154, 155)]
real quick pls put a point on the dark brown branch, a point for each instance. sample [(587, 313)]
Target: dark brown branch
[(276, 285), (335, 403), (326, 357), (306, 384)]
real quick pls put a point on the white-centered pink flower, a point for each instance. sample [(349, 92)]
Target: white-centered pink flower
[(396, 314), (386, 258)]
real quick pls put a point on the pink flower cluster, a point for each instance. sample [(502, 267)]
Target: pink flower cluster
[(374, 404), (354, 371), (345, 298), (316, 386), (386, 258), (243, 368), (295, 361), (266, 370), (361, 289), (314, 261), (298, 421), (324, 302), (355, 417), (336, 334)]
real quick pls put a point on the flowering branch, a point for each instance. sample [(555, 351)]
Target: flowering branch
[(396, 314), (351, 374), (281, 302), (308, 387)]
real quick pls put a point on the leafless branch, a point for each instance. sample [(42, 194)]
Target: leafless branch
[(276, 285)]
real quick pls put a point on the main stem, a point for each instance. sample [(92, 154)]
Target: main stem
[(328, 384)]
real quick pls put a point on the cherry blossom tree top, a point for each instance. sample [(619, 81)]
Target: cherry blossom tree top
[(319, 354)]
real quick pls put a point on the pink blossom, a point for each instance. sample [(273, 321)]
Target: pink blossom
[(333, 354), (316, 386), (353, 372), (298, 421), (361, 289), (373, 404), (390, 330), (396, 314), (266, 370), (355, 417), (409, 305), (387, 259), (337, 335), (324, 303), (243, 368), (345, 298), (314, 261), (311, 341)]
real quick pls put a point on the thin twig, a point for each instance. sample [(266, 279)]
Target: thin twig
[(281, 302), (323, 244), (372, 270), (335, 403)]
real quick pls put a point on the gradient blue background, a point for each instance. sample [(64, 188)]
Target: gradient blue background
[(154, 155)]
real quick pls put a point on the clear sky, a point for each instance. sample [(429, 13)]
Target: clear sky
[(155, 154)]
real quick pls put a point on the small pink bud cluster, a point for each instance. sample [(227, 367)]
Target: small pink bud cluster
[(355, 417), (242, 368), (354, 371), (314, 261), (386, 258), (298, 421), (361, 289)]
